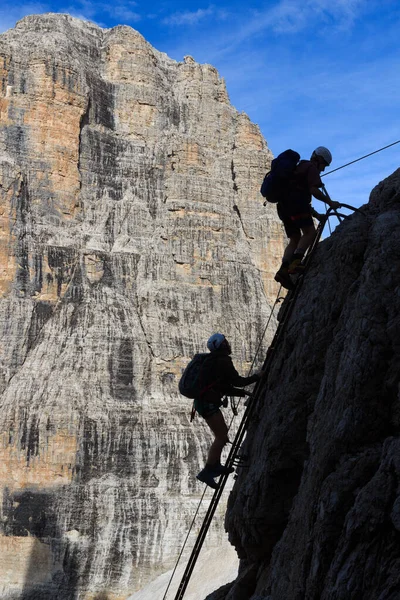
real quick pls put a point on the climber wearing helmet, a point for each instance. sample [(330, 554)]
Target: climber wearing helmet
[(218, 376), (296, 212)]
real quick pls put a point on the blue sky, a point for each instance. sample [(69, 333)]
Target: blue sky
[(309, 72)]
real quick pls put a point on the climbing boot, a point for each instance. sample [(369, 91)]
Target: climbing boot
[(207, 476), (219, 469), (296, 266), (282, 277)]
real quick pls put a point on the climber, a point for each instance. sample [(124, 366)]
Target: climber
[(218, 376), (296, 212)]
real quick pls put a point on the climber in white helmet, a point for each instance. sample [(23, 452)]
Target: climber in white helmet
[(296, 212), (219, 378)]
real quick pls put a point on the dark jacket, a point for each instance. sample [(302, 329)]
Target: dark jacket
[(219, 378)]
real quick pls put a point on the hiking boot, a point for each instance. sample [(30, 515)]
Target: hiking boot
[(207, 476), (296, 266), (282, 277), (219, 469)]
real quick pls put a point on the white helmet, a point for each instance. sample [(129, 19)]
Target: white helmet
[(324, 153), (215, 341)]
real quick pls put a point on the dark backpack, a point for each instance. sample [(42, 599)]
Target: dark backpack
[(190, 384), (276, 182)]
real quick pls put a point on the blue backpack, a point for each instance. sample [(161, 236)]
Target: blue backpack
[(189, 384), (275, 186)]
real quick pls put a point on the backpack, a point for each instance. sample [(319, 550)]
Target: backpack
[(189, 383), (276, 182)]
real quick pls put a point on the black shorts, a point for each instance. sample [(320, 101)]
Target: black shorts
[(206, 409), (295, 215)]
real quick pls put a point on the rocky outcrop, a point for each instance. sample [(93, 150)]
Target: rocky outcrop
[(316, 515), (131, 229)]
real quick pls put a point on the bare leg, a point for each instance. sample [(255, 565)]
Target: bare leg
[(307, 238), (220, 430), (290, 248)]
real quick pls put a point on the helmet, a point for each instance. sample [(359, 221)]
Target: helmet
[(324, 153), (215, 341)]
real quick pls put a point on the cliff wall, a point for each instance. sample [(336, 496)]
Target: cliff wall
[(131, 228), (316, 513)]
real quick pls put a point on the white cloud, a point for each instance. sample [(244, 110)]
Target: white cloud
[(123, 12), (121, 9), (282, 18), (193, 17), (290, 16), (88, 10), (84, 9)]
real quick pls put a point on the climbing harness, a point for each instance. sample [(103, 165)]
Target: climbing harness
[(234, 459)]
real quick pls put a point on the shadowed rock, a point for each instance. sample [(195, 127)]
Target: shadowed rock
[(316, 514)]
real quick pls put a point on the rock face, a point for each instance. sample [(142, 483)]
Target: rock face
[(316, 515), (131, 228)]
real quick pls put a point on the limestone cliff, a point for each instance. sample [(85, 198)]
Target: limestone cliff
[(131, 228), (316, 515)]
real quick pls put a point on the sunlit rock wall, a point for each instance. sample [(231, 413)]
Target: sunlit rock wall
[(316, 515), (131, 229)]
